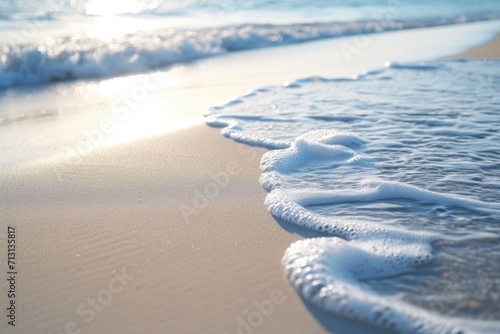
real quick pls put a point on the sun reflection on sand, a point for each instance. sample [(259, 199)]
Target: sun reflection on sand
[(141, 105)]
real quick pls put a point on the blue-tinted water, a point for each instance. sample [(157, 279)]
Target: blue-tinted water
[(401, 169), (338, 9), (49, 41)]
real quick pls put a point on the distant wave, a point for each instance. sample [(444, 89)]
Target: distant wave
[(73, 57)]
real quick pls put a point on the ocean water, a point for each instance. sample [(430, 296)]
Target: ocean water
[(397, 171), (50, 41)]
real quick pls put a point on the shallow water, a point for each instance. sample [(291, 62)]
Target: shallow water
[(404, 167)]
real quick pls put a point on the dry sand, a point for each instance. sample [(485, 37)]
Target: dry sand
[(120, 208), (489, 50)]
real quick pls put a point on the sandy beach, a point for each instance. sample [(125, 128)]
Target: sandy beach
[(489, 50), (167, 234), (196, 238)]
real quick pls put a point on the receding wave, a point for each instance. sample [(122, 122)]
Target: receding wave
[(398, 171), (78, 57)]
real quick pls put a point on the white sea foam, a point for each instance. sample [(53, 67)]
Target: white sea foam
[(387, 165), (328, 273), (77, 56)]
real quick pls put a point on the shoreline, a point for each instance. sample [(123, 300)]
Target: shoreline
[(489, 50), (183, 215), (72, 110)]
